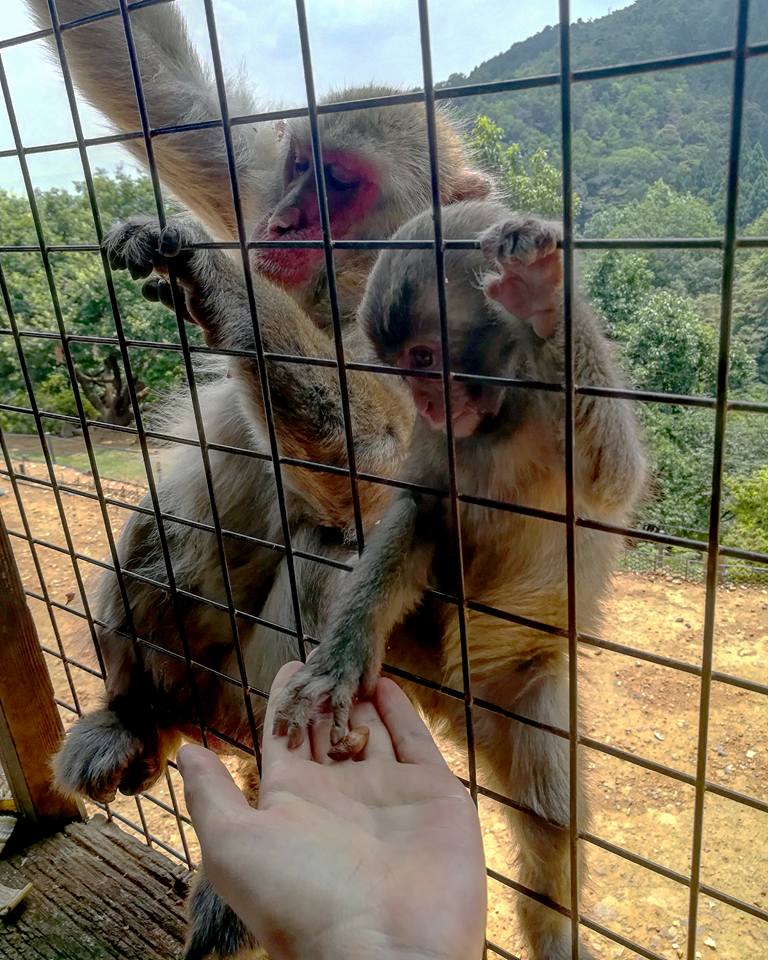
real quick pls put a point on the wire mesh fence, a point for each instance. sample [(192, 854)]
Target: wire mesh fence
[(707, 561)]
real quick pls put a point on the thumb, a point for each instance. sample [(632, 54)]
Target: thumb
[(213, 798)]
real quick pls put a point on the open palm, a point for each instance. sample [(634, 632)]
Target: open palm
[(377, 858)]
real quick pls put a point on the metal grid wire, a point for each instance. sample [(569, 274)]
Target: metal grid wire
[(712, 549)]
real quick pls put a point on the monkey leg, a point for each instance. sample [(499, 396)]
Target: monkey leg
[(531, 766)]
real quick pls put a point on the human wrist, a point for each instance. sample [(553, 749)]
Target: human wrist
[(388, 951)]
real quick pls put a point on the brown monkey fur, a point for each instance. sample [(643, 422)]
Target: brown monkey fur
[(509, 445), (125, 745)]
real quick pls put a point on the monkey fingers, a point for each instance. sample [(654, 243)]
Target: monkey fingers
[(530, 283), (146, 250), (351, 745), (522, 238), (341, 704), (142, 247), (308, 694)]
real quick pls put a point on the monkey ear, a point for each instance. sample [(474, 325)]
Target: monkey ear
[(467, 185)]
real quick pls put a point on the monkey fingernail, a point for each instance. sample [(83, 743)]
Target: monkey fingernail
[(295, 737), (139, 270), (165, 294), (149, 290), (352, 745), (170, 242)]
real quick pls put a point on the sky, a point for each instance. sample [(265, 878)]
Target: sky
[(353, 41)]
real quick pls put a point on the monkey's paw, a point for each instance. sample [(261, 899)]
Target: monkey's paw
[(521, 238), (324, 685), (101, 756), (530, 282), (151, 253)]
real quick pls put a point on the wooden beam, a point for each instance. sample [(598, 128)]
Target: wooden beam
[(30, 726)]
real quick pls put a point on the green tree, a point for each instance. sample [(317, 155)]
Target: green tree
[(618, 286), (753, 192), (663, 212), (747, 503), (530, 184), (85, 306)]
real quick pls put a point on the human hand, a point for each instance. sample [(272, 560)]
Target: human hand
[(379, 858)]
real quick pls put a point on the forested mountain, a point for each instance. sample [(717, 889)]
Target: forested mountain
[(631, 131), (650, 154)]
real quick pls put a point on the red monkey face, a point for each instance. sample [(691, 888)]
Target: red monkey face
[(352, 187)]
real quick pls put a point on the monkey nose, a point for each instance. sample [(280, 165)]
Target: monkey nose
[(283, 221)]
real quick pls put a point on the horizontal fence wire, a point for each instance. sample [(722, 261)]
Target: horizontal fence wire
[(704, 559)]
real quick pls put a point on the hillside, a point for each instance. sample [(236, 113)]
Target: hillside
[(629, 132)]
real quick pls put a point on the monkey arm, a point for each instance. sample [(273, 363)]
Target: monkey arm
[(177, 88), (385, 585), (610, 468), (306, 398), (610, 465)]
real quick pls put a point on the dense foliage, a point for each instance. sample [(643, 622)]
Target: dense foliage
[(631, 131), (82, 293)]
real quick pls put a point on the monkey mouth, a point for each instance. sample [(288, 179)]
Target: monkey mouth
[(289, 268), (469, 408)]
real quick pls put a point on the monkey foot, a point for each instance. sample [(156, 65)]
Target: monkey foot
[(101, 756)]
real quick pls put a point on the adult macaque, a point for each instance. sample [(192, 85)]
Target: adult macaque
[(377, 176), (376, 162), (504, 305)]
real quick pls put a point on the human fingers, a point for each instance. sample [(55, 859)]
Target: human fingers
[(411, 740), (274, 747), (211, 794)]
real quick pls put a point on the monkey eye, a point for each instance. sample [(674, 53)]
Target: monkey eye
[(338, 177), (301, 166), (422, 357)]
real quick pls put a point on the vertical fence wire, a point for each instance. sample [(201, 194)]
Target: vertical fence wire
[(29, 386), (718, 465), (36, 560), (570, 510), (96, 216), (453, 492), (242, 240), (178, 303), (330, 271)]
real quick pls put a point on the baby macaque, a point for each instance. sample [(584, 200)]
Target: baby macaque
[(505, 320)]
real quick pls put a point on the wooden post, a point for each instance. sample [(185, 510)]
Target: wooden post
[(30, 726)]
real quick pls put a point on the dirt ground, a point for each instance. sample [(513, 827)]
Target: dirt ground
[(647, 710)]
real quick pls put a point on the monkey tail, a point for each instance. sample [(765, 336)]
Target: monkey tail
[(214, 927)]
